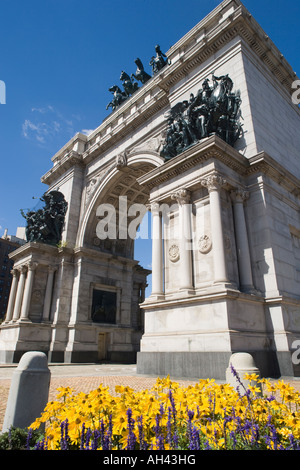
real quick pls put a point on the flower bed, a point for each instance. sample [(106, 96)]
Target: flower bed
[(168, 417)]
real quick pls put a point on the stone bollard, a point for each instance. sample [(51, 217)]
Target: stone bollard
[(29, 391), (243, 363)]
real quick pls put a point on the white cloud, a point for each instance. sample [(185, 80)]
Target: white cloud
[(38, 131), (56, 126), (86, 131), (43, 110), (46, 123)]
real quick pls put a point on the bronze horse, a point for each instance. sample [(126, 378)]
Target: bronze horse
[(119, 97), (129, 85), (140, 73)]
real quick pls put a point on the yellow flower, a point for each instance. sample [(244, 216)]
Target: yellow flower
[(251, 377), (205, 398), (121, 389), (120, 423), (64, 392), (254, 389)]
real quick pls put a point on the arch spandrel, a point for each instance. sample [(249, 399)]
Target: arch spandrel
[(119, 180)]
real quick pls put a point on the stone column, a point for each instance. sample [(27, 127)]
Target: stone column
[(214, 184), (185, 237), (157, 252), (48, 293), (238, 197), (20, 291), (12, 296), (27, 292)]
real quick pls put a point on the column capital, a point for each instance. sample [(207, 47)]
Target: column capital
[(153, 207), (31, 266), (14, 272), (22, 269), (51, 268), (182, 196), (213, 182), (239, 195)]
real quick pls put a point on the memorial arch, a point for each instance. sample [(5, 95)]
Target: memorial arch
[(201, 144)]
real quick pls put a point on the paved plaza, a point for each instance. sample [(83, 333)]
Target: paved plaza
[(83, 378)]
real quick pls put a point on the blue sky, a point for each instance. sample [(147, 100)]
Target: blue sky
[(59, 57)]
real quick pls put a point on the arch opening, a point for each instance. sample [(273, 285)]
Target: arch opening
[(117, 212)]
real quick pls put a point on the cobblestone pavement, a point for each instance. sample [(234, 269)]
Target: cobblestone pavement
[(83, 378)]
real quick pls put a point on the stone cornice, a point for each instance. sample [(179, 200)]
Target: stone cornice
[(54, 252), (215, 148), (212, 147), (84, 253), (127, 125), (33, 247), (69, 160), (263, 163), (211, 34)]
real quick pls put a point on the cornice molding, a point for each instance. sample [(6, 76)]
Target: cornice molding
[(213, 148), (32, 247), (69, 160)]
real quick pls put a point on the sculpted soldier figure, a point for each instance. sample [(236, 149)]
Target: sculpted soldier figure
[(172, 138), (188, 133), (158, 62)]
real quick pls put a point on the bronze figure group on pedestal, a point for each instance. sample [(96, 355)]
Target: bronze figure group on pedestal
[(214, 110), (45, 225)]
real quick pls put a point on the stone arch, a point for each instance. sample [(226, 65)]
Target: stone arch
[(117, 181)]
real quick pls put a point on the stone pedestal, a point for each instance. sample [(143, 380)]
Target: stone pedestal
[(51, 312)]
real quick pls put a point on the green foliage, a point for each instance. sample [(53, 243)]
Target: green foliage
[(17, 439)]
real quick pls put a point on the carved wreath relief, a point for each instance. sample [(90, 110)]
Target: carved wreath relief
[(174, 253), (205, 244)]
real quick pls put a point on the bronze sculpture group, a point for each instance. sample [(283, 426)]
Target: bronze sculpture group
[(214, 110), (45, 225), (129, 85)]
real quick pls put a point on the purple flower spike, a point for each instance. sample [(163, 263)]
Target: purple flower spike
[(142, 442), (131, 440), (82, 437)]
